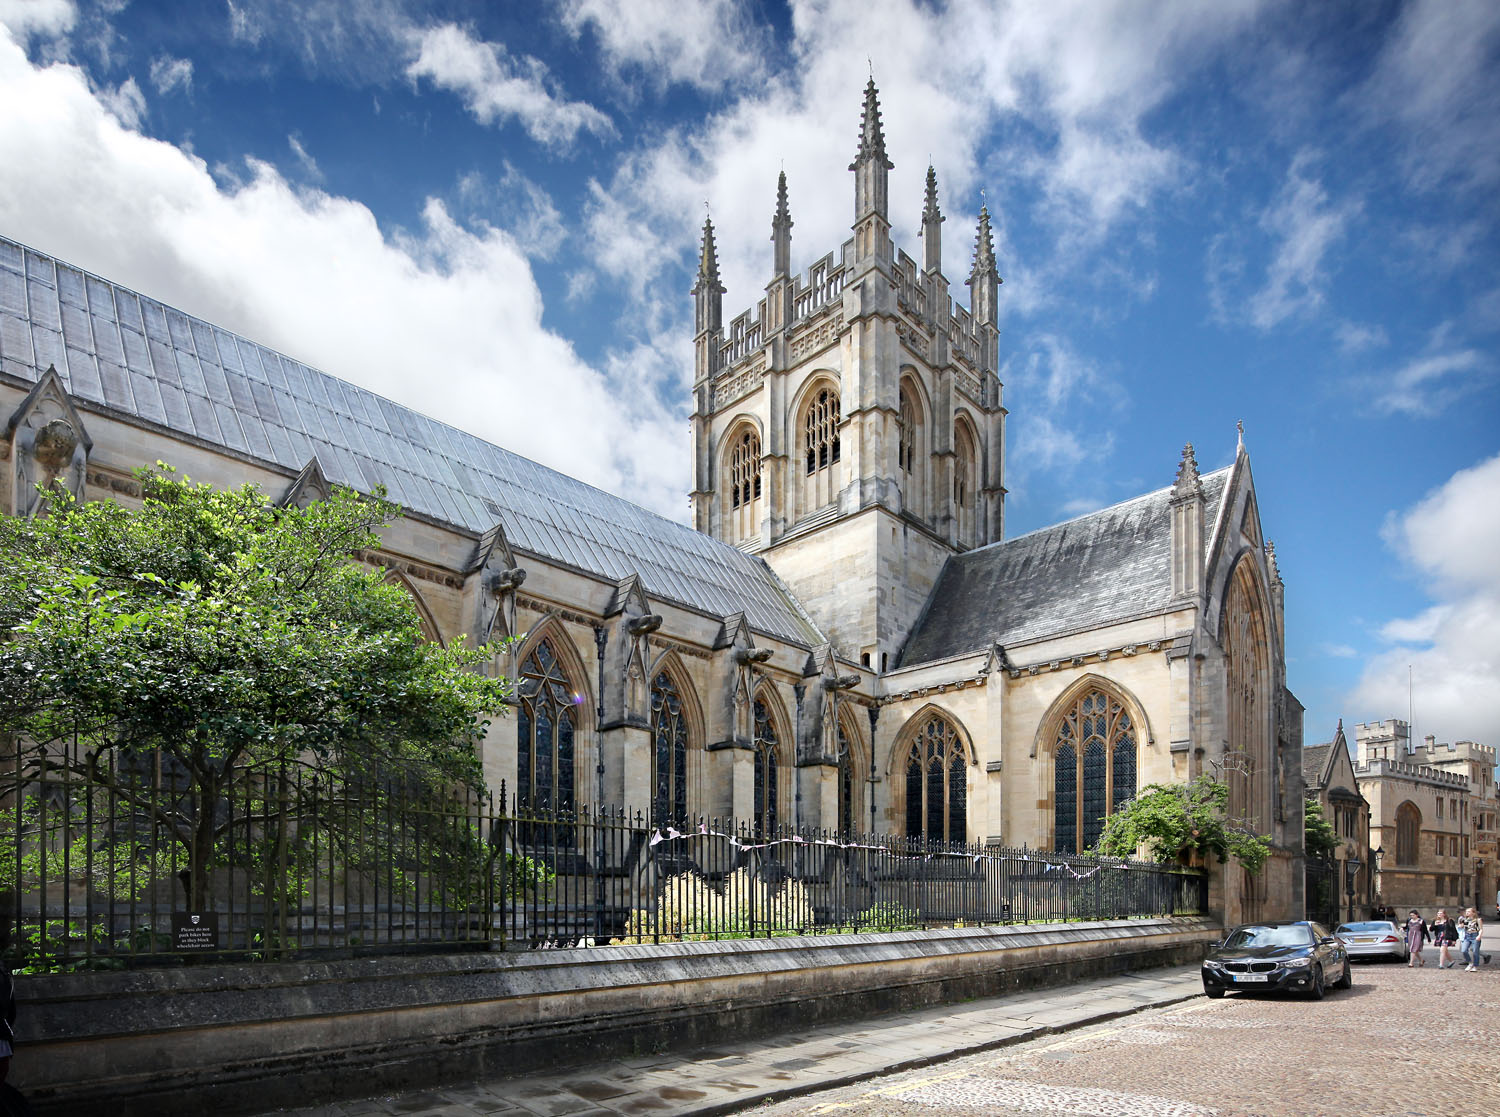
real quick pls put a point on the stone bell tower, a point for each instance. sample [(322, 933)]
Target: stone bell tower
[(849, 427)]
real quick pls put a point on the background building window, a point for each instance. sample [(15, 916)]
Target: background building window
[(937, 784)]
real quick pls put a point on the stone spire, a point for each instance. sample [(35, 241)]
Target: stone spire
[(781, 230), (984, 279), (932, 226), (1188, 483), (708, 292), (871, 167)]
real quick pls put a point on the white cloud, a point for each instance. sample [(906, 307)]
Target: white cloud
[(708, 44), (1356, 337), (519, 206), (304, 157), (440, 317), (37, 17), (1305, 226), (169, 74), (125, 102), (1339, 651), (496, 87), (1449, 540), (1436, 77), (1430, 384)]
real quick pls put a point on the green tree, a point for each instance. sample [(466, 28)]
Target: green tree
[(218, 636), (1172, 821), (1320, 839)]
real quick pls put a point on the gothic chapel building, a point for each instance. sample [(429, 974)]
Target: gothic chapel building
[(844, 638)]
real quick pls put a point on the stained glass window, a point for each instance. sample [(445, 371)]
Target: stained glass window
[(847, 785), (669, 735), (937, 784), (1094, 769), (765, 769)]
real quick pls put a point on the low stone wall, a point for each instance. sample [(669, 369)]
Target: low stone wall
[(247, 1038)]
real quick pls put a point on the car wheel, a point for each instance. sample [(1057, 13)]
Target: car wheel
[(1347, 981), (1317, 990), (1211, 993)]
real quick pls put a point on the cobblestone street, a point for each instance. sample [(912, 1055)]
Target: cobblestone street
[(1401, 1042)]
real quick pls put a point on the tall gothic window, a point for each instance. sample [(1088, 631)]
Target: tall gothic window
[(766, 803), (820, 452), (742, 514), (963, 485), (821, 429), (669, 737), (906, 433), (849, 783), (545, 756), (1408, 833), (911, 455), (937, 784), (1094, 769), (1247, 682)]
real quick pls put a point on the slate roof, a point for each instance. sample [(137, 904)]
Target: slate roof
[(136, 356), (1097, 569), (1313, 759)]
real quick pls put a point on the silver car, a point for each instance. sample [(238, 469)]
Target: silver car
[(1378, 938)]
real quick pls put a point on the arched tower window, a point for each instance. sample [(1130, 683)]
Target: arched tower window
[(767, 770), (964, 477), (743, 473), (1093, 768), (820, 450), (1247, 671), (937, 783), (1408, 833), (545, 739), (911, 451), (669, 738)]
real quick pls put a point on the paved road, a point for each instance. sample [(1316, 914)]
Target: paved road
[(1403, 1042)]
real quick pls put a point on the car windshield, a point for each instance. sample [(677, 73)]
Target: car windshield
[(1268, 936), (1363, 928)]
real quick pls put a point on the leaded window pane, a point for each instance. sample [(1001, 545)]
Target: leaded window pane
[(1094, 803), (914, 796), (1065, 800), (765, 769), (1122, 770), (669, 758), (936, 787), (958, 823)]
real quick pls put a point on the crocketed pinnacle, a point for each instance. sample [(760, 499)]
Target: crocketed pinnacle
[(708, 260), (871, 137), (1188, 482), (984, 247), (930, 211), (783, 218)]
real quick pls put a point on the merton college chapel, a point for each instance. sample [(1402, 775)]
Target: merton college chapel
[(844, 637)]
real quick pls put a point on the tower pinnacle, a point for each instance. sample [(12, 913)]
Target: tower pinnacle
[(984, 279), (932, 226), (871, 137), (781, 230), (871, 167), (708, 292)]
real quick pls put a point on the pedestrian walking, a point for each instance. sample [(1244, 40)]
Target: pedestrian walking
[(1416, 937), (1470, 929), (1445, 937)]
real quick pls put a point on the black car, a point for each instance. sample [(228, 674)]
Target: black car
[(1301, 956)]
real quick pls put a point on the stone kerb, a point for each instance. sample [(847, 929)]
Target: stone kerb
[(250, 1037)]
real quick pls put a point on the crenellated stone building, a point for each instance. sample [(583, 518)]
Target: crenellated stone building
[(843, 638), (1433, 812)]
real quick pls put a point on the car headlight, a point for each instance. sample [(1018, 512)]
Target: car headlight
[(1210, 964), (1297, 963)]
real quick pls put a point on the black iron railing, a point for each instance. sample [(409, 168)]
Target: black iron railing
[(132, 864)]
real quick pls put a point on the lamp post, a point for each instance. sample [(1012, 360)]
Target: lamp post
[(1376, 884)]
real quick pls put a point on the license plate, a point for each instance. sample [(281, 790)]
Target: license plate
[(1251, 977), (1364, 940)]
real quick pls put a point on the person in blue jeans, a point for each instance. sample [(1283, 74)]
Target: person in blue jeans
[(1470, 930)]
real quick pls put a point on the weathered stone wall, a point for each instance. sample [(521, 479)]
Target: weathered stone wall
[(232, 1039)]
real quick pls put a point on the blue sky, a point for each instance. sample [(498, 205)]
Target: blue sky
[(1281, 213)]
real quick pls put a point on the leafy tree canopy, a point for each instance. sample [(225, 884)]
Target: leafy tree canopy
[(1321, 840), (226, 633), (1170, 821)]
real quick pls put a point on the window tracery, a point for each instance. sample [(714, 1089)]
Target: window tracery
[(1095, 753), (669, 736), (545, 735), (821, 431), (767, 814), (936, 773), (744, 476), (1247, 681)]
